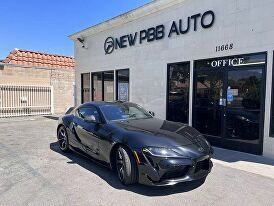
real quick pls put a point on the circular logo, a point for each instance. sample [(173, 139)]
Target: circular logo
[(109, 45)]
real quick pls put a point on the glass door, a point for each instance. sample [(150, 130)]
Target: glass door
[(209, 103), (178, 92), (228, 106), (243, 113)]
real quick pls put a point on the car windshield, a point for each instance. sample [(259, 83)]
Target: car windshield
[(124, 111)]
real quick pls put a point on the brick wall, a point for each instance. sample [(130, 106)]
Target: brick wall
[(62, 81)]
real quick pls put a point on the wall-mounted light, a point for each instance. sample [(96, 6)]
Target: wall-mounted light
[(82, 41)]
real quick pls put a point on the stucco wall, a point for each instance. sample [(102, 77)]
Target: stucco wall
[(62, 81), (248, 24)]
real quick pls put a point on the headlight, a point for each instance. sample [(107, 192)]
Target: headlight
[(160, 152)]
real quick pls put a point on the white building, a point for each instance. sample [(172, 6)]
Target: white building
[(207, 63)]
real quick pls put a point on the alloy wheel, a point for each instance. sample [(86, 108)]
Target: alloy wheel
[(120, 164), (62, 138)]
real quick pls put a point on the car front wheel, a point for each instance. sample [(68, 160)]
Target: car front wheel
[(126, 166), (63, 139)]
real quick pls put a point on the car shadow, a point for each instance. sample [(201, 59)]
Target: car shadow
[(51, 117), (110, 177)]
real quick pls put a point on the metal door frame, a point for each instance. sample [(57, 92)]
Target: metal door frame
[(225, 85)]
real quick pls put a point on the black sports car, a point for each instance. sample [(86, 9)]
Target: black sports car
[(129, 140)]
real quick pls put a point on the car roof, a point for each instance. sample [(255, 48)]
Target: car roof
[(102, 103)]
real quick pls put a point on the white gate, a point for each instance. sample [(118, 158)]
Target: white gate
[(24, 100)]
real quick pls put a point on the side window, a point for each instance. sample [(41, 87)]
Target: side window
[(133, 111), (84, 112)]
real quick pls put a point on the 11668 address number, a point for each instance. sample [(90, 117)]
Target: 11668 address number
[(224, 47)]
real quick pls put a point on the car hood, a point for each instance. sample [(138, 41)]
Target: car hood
[(157, 132)]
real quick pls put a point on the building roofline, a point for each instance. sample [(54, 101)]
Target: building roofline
[(39, 59), (36, 67), (130, 16), (39, 52)]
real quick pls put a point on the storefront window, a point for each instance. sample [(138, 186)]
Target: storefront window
[(97, 87), (122, 85), (272, 104), (108, 86), (103, 86), (85, 79), (178, 92)]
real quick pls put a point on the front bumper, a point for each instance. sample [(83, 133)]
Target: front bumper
[(170, 171)]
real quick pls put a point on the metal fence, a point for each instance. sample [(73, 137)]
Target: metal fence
[(24, 100)]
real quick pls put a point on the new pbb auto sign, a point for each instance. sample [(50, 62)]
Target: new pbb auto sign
[(180, 27)]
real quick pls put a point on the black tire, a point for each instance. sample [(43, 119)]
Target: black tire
[(63, 140), (126, 166)]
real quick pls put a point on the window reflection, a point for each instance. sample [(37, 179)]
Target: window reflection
[(243, 105), (272, 105), (97, 86), (228, 101), (208, 111), (109, 86), (209, 88), (122, 85), (103, 86), (178, 94), (85, 87), (244, 87)]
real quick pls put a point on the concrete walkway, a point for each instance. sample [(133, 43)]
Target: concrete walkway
[(246, 162), (238, 160), (33, 171)]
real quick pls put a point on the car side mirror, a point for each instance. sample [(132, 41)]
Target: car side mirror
[(152, 113), (92, 119)]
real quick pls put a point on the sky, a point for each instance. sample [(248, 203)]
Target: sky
[(44, 25)]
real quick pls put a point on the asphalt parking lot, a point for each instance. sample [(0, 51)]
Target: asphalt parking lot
[(33, 171)]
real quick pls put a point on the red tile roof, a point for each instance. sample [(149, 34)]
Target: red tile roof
[(39, 59)]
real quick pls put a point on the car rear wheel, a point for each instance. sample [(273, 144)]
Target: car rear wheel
[(126, 166), (62, 136)]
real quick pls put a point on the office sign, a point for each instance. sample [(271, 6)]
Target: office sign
[(180, 27), (227, 62), (232, 61)]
